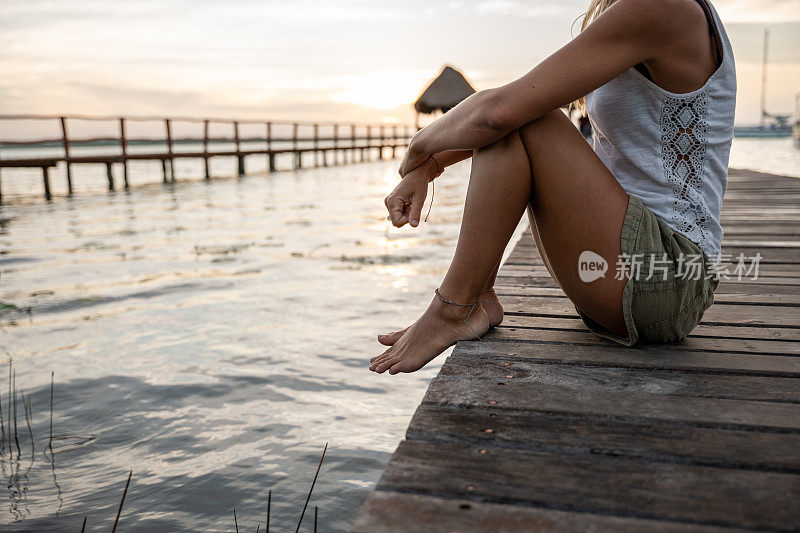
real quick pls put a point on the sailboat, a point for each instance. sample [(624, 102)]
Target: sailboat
[(771, 125)]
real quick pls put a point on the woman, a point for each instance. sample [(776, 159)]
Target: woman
[(660, 87)]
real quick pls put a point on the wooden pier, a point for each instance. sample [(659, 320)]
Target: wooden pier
[(543, 426), (297, 139)]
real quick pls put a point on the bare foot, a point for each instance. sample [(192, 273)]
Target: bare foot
[(492, 307), (441, 326)]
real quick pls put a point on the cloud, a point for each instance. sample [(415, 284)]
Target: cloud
[(521, 9), (748, 39), (274, 56), (758, 11)]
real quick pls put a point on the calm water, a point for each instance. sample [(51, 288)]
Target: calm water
[(212, 337), (775, 156)]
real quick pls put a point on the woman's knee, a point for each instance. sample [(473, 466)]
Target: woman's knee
[(510, 141), (547, 123), (524, 140)]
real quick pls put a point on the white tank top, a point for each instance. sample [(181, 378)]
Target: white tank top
[(671, 150)]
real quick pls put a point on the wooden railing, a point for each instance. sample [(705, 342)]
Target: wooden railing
[(343, 140)]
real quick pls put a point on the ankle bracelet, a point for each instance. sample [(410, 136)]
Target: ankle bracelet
[(472, 306)]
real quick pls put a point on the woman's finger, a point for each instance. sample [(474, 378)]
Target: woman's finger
[(397, 211), (415, 213)]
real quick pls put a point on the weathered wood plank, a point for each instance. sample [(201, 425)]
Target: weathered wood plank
[(698, 384), (572, 434), (692, 343), (644, 357), (390, 512), (774, 316), (747, 295), (701, 331), (608, 485), (509, 393), (775, 232)]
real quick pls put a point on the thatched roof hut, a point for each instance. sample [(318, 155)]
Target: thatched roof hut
[(444, 93)]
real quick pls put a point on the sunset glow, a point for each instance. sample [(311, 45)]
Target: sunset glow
[(347, 60)]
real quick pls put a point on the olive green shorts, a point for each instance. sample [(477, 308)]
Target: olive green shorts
[(670, 284)]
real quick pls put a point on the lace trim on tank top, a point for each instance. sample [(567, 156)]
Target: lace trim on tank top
[(684, 139)]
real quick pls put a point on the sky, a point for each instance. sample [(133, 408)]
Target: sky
[(316, 60)]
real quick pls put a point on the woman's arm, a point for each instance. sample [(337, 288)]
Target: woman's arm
[(627, 33), (451, 157), (443, 160)]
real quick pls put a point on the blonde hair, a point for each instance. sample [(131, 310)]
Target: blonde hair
[(596, 7)]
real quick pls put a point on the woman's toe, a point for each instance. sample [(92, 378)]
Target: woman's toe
[(388, 339), (397, 367), (386, 361), (386, 365), (380, 358)]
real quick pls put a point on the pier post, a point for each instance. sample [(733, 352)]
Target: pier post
[(335, 144), (167, 123), (239, 156), (353, 143), (124, 146), (205, 150), (110, 176), (324, 158), (297, 155), (164, 171), (65, 141), (316, 144), (394, 139), (270, 155), (366, 143), (46, 180), (380, 149)]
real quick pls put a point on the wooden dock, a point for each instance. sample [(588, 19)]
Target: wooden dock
[(276, 138), (543, 426)]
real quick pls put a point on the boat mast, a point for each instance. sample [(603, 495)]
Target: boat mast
[(764, 77)]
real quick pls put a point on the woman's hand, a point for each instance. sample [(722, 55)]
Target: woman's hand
[(405, 201)]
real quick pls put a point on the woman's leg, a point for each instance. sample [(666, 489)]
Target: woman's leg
[(492, 211), (489, 302), (577, 205)]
